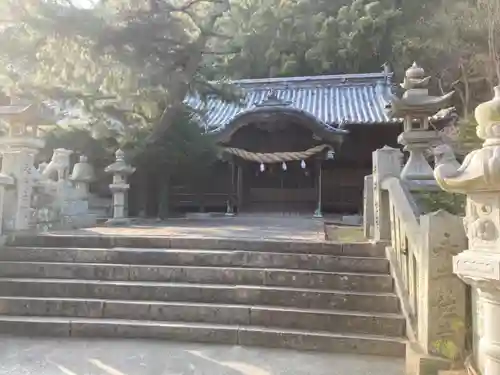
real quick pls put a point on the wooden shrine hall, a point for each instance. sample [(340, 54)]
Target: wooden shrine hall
[(297, 145)]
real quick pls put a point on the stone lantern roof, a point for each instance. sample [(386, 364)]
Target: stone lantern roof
[(120, 166), (416, 101), (83, 171)]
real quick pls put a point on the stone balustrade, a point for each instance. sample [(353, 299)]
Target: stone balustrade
[(420, 249)]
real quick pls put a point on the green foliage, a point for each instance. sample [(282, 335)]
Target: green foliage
[(361, 33), (283, 38), (140, 52), (439, 200), (450, 348), (121, 59), (182, 149), (182, 153), (298, 37), (81, 142), (468, 139)]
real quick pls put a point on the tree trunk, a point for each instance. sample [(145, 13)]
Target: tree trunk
[(164, 199), (140, 196)]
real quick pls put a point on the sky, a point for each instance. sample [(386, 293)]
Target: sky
[(84, 3)]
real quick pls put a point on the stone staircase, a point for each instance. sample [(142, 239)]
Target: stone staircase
[(299, 295)]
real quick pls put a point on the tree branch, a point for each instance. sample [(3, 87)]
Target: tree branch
[(180, 87)]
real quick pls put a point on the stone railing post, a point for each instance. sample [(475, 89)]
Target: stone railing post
[(386, 163), (442, 295), (479, 178), (368, 218), (415, 107), (5, 181), (120, 171)]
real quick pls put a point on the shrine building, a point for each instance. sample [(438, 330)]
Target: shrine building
[(298, 145)]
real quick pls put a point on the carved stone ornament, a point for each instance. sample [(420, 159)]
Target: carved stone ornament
[(480, 170)]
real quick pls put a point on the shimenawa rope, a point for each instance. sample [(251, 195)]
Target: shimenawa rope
[(275, 157)]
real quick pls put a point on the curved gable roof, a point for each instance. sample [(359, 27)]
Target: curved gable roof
[(333, 100), (334, 135)]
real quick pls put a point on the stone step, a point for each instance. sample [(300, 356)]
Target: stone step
[(363, 249), (196, 332), (206, 293), (266, 316), (214, 258), (204, 275)]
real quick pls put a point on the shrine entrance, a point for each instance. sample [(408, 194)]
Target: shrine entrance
[(289, 188), (277, 155)]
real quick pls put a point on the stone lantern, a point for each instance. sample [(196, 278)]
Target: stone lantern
[(19, 148), (83, 174), (416, 106), (479, 178), (120, 171)]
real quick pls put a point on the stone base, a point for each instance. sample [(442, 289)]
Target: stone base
[(352, 220), (418, 363), (318, 214), (81, 221), (116, 222)]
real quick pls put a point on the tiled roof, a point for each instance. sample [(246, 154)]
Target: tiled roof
[(334, 100)]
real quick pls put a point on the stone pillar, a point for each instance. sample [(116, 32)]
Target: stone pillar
[(5, 181), (417, 171), (442, 295), (120, 170), (479, 178), (18, 162), (19, 148), (368, 219), (479, 266), (230, 199), (386, 163)]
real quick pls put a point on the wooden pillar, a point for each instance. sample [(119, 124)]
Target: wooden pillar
[(239, 186), (230, 200), (319, 167)]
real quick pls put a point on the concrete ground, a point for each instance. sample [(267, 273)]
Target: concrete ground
[(256, 227), (33, 356)]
